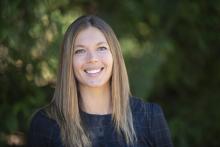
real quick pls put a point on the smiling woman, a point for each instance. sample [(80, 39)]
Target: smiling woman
[(92, 105)]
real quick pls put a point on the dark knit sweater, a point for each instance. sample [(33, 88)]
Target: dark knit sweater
[(148, 119)]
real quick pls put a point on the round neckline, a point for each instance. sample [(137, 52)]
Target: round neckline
[(94, 115)]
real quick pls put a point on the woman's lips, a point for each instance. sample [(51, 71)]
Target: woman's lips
[(93, 72)]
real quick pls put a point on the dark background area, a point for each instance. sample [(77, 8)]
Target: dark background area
[(171, 49)]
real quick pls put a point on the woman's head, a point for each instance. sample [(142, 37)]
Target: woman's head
[(66, 96), (82, 24)]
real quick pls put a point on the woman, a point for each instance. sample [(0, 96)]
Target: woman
[(91, 106)]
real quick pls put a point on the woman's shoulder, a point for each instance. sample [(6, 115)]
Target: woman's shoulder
[(40, 116), (140, 106), (43, 131), (149, 116), (41, 123)]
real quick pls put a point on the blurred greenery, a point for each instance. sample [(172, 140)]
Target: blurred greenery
[(174, 46)]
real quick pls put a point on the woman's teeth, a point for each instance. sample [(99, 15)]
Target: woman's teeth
[(93, 71)]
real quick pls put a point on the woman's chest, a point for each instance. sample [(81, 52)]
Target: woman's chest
[(107, 136)]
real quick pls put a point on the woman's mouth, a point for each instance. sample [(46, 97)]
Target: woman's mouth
[(93, 72)]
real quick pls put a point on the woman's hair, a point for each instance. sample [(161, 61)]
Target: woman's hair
[(64, 107)]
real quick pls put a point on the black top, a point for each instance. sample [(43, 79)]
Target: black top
[(149, 123)]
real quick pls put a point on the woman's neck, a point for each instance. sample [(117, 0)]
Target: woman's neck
[(96, 100)]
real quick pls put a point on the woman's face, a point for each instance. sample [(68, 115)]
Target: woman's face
[(92, 60)]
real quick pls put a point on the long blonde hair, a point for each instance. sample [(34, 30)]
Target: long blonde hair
[(64, 107)]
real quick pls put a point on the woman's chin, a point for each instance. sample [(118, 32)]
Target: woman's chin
[(94, 84)]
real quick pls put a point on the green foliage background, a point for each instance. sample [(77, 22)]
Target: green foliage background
[(171, 49)]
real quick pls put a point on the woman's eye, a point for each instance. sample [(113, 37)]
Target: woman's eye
[(102, 48), (79, 51)]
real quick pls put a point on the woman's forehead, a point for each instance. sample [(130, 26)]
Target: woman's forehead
[(90, 35)]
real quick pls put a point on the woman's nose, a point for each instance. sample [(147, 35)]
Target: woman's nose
[(92, 57)]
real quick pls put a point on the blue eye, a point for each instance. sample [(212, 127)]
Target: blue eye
[(102, 48), (79, 51)]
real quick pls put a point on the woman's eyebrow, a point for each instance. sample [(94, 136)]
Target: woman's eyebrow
[(79, 46), (99, 43)]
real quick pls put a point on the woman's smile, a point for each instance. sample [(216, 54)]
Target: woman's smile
[(94, 71)]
